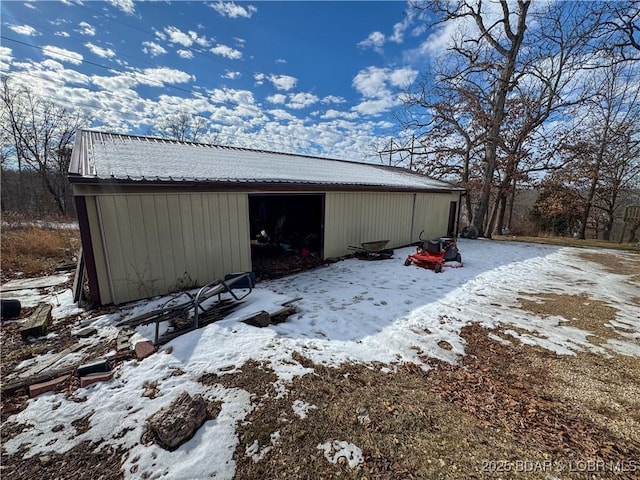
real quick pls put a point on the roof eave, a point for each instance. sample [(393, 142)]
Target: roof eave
[(253, 185)]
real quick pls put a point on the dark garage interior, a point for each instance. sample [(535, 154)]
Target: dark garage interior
[(287, 231)]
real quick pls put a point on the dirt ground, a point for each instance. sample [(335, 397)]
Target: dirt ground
[(506, 410)]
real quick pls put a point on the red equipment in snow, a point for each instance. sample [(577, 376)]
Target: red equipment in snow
[(434, 253)]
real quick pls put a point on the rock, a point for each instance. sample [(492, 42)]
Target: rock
[(144, 349), (177, 422), (363, 416), (86, 332)]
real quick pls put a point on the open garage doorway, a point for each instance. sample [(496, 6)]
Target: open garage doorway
[(287, 232)]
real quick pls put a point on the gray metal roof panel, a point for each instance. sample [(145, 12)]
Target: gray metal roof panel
[(99, 155)]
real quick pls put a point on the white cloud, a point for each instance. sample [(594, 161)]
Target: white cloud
[(187, 54), (233, 10), (31, 6), (333, 99), (331, 114), (87, 29), (376, 106), (379, 87), (62, 34), (163, 75), (231, 75), (280, 114), (400, 28), (56, 72), (283, 82), (403, 77), (177, 36), (278, 98), (62, 54), (24, 30), (59, 21), (298, 101), (6, 57), (441, 39), (259, 78), (227, 52), (280, 60), (116, 83), (99, 51), (374, 82), (202, 41), (375, 40), (153, 49), (127, 6)]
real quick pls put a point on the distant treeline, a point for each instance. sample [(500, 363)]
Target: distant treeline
[(24, 193)]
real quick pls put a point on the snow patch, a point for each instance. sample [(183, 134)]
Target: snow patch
[(337, 449), (302, 409)]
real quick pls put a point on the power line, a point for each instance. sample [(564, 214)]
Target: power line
[(135, 75), (334, 130)]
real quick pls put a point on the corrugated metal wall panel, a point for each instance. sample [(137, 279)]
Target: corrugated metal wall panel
[(156, 243), (352, 218), (99, 254), (432, 214)]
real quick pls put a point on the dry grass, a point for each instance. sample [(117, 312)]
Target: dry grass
[(616, 265), (404, 429), (570, 242), (579, 311), (35, 251), (502, 404)]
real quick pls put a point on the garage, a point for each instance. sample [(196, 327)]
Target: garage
[(158, 216)]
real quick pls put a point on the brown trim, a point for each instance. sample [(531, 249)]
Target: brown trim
[(87, 249), (129, 185)]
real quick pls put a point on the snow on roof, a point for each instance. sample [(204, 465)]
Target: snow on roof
[(99, 155)]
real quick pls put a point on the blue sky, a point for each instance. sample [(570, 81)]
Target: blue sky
[(315, 77)]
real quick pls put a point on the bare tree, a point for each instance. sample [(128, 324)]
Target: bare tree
[(40, 133), (183, 127), (619, 34), (515, 80), (492, 56), (449, 142), (612, 134)]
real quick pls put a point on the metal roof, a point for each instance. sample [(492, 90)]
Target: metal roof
[(111, 157)]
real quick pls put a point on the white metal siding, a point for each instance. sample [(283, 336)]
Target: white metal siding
[(157, 243)]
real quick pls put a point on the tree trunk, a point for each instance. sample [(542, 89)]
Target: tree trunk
[(497, 119), (512, 201)]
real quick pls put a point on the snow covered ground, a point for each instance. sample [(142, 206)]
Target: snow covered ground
[(350, 311)]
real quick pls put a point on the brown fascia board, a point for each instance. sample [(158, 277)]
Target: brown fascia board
[(113, 184)]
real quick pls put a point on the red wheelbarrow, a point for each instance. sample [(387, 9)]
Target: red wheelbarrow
[(433, 254)]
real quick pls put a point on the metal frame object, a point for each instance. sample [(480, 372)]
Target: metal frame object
[(201, 315)]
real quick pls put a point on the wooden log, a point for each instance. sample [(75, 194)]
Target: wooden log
[(11, 387), (38, 322), (47, 363), (259, 319)]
